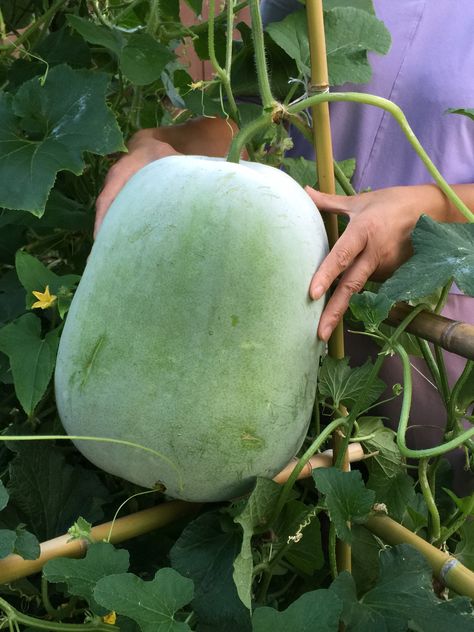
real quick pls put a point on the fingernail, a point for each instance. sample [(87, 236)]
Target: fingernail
[(317, 292)]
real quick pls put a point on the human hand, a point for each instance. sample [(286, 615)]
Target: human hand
[(143, 148), (375, 242)]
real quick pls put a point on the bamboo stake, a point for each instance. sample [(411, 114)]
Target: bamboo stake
[(322, 141), (446, 567), (451, 335), (14, 567)]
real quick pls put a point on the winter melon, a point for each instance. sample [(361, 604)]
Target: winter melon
[(192, 333)]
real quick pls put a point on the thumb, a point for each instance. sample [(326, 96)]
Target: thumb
[(328, 202)]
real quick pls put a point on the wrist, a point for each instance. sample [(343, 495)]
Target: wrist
[(439, 206)]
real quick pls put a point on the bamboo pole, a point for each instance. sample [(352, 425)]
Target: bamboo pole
[(446, 567), (451, 335), (321, 131), (322, 141), (14, 567), (449, 570)]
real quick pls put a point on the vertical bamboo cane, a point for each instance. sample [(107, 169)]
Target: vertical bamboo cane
[(324, 157)]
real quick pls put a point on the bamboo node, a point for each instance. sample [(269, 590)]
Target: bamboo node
[(380, 508), (317, 88)]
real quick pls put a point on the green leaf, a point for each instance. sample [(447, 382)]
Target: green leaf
[(466, 393), (464, 551), (347, 499), (254, 516), (32, 358), (7, 542), (35, 276), (143, 59), (64, 47), (109, 38), (205, 553), (81, 530), (50, 493), (4, 496), (81, 576), (402, 595), (316, 610), (46, 129), (291, 34), (195, 5), (370, 308), (350, 33), (465, 111), (27, 545), (365, 549), (19, 541), (365, 5), (301, 170), (395, 492), (344, 385), (383, 442), (12, 297), (152, 604), (442, 252)]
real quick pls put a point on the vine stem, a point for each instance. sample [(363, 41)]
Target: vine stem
[(14, 615), (246, 133), (317, 443), (371, 377), (223, 73), (404, 416), (429, 499), (398, 115), (260, 59), (123, 442)]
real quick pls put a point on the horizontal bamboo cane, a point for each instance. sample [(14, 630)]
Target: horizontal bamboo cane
[(14, 567), (446, 568), (451, 335)]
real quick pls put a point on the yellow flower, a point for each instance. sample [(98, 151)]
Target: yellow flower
[(45, 299), (110, 618), (197, 85)]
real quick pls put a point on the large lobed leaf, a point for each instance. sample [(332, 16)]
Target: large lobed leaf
[(442, 252), (81, 576), (152, 604), (32, 358), (47, 128), (317, 610), (205, 553), (347, 499), (403, 594), (350, 33)]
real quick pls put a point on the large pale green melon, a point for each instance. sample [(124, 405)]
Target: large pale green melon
[(192, 332)]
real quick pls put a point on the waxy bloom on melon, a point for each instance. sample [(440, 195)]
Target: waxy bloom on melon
[(192, 332)]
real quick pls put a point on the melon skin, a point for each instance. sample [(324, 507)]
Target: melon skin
[(192, 332)]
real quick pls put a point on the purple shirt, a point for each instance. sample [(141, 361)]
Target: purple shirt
[(429, 68)]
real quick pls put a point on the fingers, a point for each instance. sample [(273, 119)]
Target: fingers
[(352, 282), (348, 247), (330, 203)]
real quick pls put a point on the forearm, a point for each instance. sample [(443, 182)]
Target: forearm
[(200, 136)]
